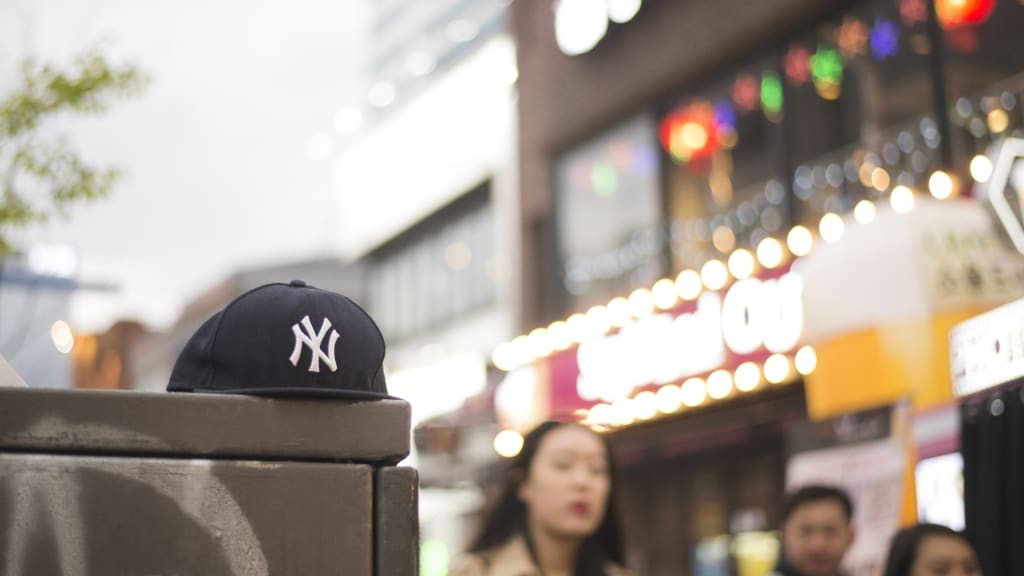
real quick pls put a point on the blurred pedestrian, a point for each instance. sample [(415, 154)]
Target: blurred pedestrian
[(556, 513), (931, 550), (816, 531)]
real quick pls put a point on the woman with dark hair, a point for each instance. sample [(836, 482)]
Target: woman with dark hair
[(931, 550), (556, 513)]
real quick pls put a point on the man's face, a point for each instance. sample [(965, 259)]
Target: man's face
[(816, 537)]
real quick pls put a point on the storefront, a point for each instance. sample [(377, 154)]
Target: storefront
[(699, 395), (741, 231), (987, 362)]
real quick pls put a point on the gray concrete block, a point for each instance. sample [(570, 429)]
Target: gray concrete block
[(215, 425), (75, 515), (397, 522)]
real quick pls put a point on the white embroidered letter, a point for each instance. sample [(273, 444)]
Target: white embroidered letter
[(312, 340)]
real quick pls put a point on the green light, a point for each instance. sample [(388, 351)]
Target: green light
[(771, 94), (604, 179), (433, 558), (827, 66)]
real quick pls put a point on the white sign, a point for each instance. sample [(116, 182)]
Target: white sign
[(988, 350), (754, 315), (872, 473), (763, 313), (1011, 151)]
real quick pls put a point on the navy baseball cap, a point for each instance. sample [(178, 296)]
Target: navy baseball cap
[(285, 340)]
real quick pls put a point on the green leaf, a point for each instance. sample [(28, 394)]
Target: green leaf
[(40, 174)]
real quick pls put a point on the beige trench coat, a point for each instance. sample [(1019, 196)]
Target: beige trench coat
[(511, 559)]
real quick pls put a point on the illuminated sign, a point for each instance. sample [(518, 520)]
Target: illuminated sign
[(754, 316), (1003, 174), (988, 350)]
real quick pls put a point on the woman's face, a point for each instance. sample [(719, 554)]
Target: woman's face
[(945, 556), (567, 488)]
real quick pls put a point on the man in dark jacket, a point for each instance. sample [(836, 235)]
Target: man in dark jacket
[(816, 531)]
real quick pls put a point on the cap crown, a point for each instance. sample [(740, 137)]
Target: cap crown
[(285, 340)]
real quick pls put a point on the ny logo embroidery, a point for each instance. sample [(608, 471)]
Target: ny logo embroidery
[(313, 340)]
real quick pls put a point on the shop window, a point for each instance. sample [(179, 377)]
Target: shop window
[(437, 271), (608, 211), (726, 172), (860, 96)]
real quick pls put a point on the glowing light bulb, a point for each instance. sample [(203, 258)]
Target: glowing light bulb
[(508, 443), (600, 414), (719, 384), (561, 339), (998, 120), (669, 399), (622, 11), (800, 241), (776, 369), (62, 336), (723, 239), (981, 168), (806, 360), (688, 284), (598, 319), (880, 179), (577, 324), (865, 212), (618, 312), (664, 294), (940, 185), (645, 405), (693, 392), (623, 413), (748, 376), (539, 343), (714, 274), (741, 264), (503, 357), (694, 136), (831, 227), (521, 350), (641, 303), (902, 199), (770, 253)]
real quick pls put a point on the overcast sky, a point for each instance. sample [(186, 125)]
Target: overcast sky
[(217, 175)]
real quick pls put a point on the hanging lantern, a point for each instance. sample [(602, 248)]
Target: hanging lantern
[(957, 13), (797, 65), (746, 92), (885, 39), (913, 11), (690, 133), (853, 37), (827, 70), (771, 95)]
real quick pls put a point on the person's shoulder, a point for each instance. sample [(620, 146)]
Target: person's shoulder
[(509, 559), (468, 564)]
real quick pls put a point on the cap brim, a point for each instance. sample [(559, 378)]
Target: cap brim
[(286, 392)]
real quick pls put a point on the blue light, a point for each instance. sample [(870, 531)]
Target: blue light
[(725, 116), (885, 39)]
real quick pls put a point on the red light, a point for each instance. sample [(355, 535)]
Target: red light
[(797, 65), (957, 13), (746, 92), (690, 133)]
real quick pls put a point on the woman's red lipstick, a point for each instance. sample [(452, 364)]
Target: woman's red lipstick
[(581, 508)]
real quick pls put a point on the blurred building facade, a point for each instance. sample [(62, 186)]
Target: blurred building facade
[(747, 229), (428, 198), (35, 292), (129, 356)]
